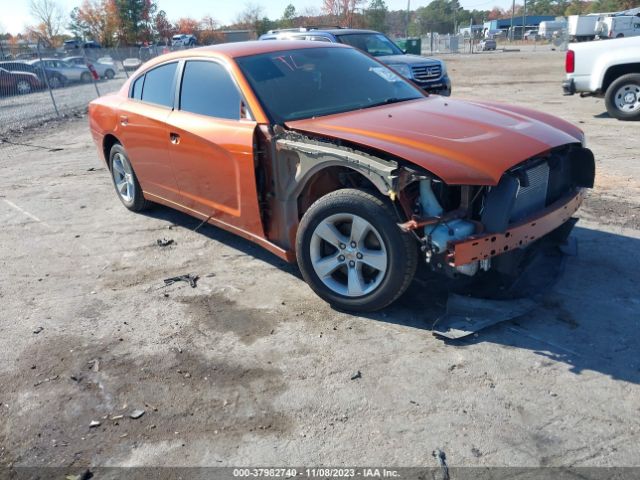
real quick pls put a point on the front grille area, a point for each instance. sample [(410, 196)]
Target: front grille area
[(426, 73)]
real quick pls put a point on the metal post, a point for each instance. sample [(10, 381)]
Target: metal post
[(93, 79), (46, 78), (408, 17), (524, 18), (513, 12)]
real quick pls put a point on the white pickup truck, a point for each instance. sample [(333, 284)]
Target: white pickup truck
[(609, 69)]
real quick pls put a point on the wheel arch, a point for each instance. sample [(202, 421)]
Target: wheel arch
[(108, 142), (616, 71)]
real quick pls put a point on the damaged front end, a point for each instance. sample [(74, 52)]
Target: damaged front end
[(466, 229)]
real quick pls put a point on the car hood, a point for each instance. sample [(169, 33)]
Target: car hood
[(462, 142), (407, 59)]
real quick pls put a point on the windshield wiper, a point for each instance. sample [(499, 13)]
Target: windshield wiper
[(387, 101)]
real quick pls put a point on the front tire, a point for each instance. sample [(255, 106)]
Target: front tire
[(623, 97), (109, 74), (23, 87), (125, 180), (85, 77), (352, 253)]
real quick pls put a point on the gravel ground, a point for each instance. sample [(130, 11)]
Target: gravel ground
[(251, 368)]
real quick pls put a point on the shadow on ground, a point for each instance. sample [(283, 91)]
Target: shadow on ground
[(590, 320)]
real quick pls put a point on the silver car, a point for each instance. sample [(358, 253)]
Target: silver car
[(104, 70), (73, 73)]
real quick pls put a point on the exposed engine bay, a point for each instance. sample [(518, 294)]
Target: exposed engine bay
[(461, 229)]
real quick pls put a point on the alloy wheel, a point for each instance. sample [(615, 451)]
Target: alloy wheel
[(123, 177), (348, 255)]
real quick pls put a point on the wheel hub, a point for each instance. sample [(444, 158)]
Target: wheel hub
[(627, 98), (348, 255)]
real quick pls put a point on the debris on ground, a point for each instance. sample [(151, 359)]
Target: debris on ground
[(37, 330), (165, 242), (94, 365), (94, 424), (442, 461), (190, 279), (357, 375), (46, 380), (115, 418), (136, 414)]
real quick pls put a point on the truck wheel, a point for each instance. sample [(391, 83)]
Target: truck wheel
[(623, 97), (352, 253), (125, 180)]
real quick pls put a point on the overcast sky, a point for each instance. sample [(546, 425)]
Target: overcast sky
[(15, 15)]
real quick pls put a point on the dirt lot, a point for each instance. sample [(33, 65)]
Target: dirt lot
[(251, 368)]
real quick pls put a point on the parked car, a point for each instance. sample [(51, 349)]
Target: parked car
[(73, 73), (486, 45), (531, 35), (55, 79), (183, 40), (71, 45), (18, 83), (103, 70), (317, 152), (132, 63), (608, 69), (429, 74)]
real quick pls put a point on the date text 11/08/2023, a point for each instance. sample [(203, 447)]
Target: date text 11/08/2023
[(315, 472)]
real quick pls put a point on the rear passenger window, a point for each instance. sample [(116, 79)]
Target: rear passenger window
[(158, 85), (208, 89), (136, 90)]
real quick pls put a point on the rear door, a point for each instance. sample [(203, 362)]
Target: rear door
[(211, 133), (144, 132)]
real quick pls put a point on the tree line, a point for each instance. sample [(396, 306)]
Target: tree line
[(133, 22)]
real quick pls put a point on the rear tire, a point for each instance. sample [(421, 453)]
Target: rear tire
[(85, 77), (622, 98), (125, 180), (109, 74), (352, 253)]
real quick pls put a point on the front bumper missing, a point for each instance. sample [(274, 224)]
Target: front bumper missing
[(483, 246)]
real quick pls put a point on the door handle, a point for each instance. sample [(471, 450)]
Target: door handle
[(175, 138), (124, 120)]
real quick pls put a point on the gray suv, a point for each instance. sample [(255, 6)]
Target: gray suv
[(430, 74)]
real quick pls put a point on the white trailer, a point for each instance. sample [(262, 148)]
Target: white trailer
[(548, 28), (582, 27), (618, 26)]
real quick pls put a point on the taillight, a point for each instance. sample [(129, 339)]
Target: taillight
[(570, 61)]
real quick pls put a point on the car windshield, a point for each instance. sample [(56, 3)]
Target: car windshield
[(374, 44), (310, 82)]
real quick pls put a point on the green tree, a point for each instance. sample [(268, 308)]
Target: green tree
[(136, 20), (376, 15), (288, 16)]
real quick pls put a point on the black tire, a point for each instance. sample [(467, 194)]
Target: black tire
[(85, 77), (56, 82), (137, 203), (632, 81), (109, 74), (401, 248)]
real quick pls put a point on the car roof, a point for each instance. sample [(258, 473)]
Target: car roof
[(243, 49)]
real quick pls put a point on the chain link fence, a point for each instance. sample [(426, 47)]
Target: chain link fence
[(435, 43), (40, 85)]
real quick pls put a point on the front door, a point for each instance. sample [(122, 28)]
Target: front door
[(211, 147)]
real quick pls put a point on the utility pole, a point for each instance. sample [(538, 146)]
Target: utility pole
[(513, 12), (408, 17), (524, 17)]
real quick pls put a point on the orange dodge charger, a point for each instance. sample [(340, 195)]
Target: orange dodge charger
[(322, 154)]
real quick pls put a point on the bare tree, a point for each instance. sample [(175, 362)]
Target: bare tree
[(50, 18), (251, 15)]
